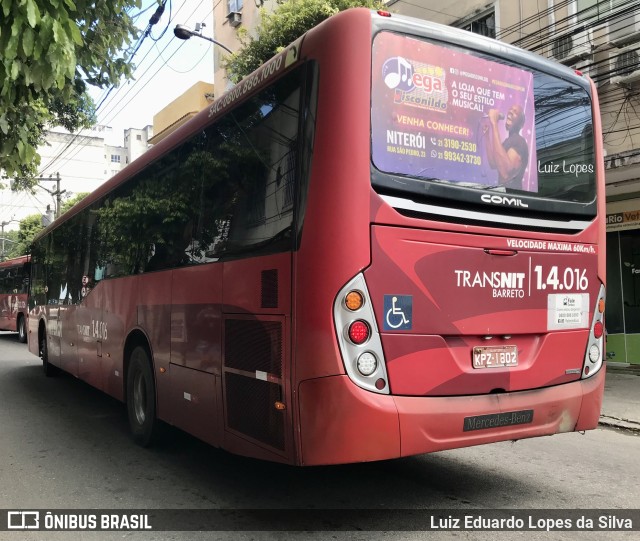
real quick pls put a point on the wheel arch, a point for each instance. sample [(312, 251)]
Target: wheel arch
[(136, 338), (145, 428)]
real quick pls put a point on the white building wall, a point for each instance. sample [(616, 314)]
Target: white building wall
[(77, 159), (82, 162), (136, 142)]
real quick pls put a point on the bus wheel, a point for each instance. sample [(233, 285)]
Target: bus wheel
[(141, 398), (22, 330), (49, 369)]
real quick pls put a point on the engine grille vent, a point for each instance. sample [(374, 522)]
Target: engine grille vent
[(252, 345), (250, 409), (253, 352)]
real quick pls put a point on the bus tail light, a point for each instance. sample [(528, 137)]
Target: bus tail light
[(598, 329), (594, 355), (359, 332), (358, 337), (353, 300), (367, 363)]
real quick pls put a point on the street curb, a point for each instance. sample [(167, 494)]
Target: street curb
[(631, 369), (622, 424)]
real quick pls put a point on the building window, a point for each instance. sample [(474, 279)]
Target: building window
[(115, 158), (485, 25), (234, 5), (139, 137), (594, 10)]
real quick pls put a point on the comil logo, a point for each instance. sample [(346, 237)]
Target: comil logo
[(500, 200)]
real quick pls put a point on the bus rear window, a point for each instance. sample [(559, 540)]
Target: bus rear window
[(456, 117)]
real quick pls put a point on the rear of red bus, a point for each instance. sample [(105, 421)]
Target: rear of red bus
[(449, 292), (14, 289)]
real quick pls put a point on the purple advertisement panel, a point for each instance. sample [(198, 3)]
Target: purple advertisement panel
[(444, 114)]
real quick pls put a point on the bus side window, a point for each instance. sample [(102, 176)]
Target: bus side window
[(98, 273), (3, 280), (26, 278)]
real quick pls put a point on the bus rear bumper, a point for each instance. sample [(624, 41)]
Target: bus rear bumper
[(341, 423), (562, 408)]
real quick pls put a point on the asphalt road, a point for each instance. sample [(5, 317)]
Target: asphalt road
[(66, 445)]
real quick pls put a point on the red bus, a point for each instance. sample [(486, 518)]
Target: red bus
[(14, 289), (388, 240)]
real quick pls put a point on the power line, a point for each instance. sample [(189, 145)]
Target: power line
[(105, 103), (140, 77), (112, 113), (152, 21)]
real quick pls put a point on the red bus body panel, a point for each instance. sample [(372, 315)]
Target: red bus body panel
[(454, 310)]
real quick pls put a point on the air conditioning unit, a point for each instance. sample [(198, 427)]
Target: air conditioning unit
[(624, 27), (572, 47), (625, 66), (234, 18)]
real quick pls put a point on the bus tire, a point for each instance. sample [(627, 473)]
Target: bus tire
[(141, 398), (49, 369), (22, 330)]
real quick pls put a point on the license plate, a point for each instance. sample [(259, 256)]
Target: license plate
[(495, 356)]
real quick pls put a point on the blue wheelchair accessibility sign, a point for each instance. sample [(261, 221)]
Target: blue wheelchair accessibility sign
[(398, 312)]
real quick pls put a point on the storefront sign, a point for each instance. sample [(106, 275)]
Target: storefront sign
[(619, 221)]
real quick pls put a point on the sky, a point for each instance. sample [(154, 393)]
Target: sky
[(165, 67)]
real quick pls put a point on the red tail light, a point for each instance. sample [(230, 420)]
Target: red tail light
[(359, 332), (365, 365), (598, 329)]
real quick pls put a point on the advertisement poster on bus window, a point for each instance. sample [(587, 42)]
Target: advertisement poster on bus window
[(443, 114)]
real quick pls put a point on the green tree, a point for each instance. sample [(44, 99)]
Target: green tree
[(50, 50), (285, 24), (72, 201), (29, 228), (8, 241)]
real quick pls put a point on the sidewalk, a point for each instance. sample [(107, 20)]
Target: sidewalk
[(621, 403)]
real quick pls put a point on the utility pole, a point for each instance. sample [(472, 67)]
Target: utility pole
[(2, 253), (57, 193), (2, 224)]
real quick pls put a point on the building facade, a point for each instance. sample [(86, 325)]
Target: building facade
[(229, 18), (179, 111)]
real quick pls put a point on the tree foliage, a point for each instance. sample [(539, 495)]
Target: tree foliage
[(7, 243), (31, 226), (72, 201), (50, 50), (279, 28)]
